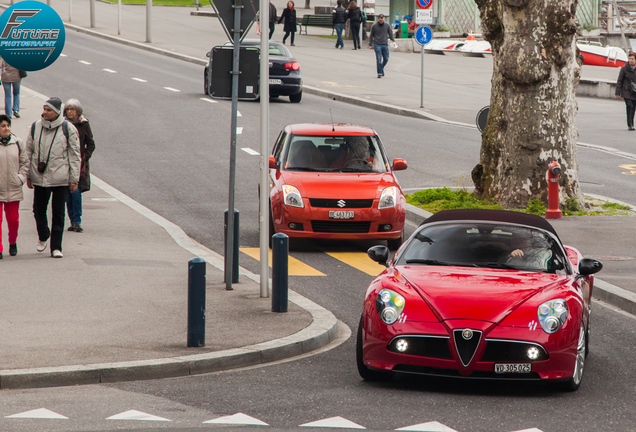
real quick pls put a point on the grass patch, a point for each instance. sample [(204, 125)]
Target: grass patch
[(434, 200)]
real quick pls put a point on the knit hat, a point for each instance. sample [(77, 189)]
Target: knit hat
[(55, 104)]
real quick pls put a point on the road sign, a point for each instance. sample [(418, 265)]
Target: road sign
[(423, 35), (423, 4), (225, 11), (423, 16), (482, 118)]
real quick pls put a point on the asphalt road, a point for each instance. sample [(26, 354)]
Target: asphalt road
[(169, 149)]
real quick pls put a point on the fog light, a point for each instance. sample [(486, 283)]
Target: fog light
[(295, 226), (402, 345), (533, 353)]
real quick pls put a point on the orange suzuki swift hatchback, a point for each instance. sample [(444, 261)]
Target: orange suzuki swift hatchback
[(334, 181)]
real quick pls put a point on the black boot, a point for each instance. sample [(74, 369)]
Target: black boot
[(13, 249)]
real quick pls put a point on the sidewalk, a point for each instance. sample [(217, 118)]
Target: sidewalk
[(114, 308)]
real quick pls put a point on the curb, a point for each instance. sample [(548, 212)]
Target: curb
[(604, 291), (322, 331)]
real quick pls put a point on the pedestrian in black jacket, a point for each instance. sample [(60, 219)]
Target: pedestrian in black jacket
[(354, 15), (339, 18), (289, 15), (626, 78), (272, 18)]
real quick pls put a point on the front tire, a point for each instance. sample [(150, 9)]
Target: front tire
[(366, 373), (573, 383), (206, 82), (296, 98)]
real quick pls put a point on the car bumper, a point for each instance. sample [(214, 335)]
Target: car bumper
[(377, 337), (367, 224), (289, 86)]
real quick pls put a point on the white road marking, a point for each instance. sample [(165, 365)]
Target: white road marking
[(41, 413), (84, 62), (531, 430), (238, 114), (208, 100), (63, 55), (172, 89), (237, 419), (139, 79), (239, 130), (428, 427), (136, 415), (250, 151), (334, 422), (109, 70)]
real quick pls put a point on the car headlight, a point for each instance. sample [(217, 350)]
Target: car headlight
[(292, 196), (388, 198), (552, 315), (389, 305)]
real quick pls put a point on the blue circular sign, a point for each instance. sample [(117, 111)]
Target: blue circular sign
[(423, 35), (31, 35)]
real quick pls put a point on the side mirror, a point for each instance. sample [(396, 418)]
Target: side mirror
[(379, 254), (399, 165), (272, 163), (588, 266), (207, 54)]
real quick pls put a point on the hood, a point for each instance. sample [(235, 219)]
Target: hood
[(339, 185), (476, 294)]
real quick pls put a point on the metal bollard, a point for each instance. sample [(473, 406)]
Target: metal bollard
[(196, 302), (235, 255), (280, 255)]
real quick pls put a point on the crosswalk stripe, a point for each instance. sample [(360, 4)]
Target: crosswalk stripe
[(530, 430), (41, 413), (334, 422), (136, 415), (428, 427), (294, 266), (358, 260), (237, 419)]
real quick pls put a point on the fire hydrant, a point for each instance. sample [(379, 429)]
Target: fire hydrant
[(553, 211)]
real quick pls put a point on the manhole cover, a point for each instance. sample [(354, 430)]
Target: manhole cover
[(611, 258)]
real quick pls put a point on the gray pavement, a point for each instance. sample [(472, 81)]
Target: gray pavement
[(122, 312)]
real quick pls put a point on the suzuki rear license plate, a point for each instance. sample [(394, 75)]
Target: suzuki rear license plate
[(275, 81), (340, 214), (512, 368)]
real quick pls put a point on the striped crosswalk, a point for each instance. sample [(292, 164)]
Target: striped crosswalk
[(357, 260)]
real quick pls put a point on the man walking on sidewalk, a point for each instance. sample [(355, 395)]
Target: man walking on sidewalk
[(339, 17), (379, 41), (54, 154)]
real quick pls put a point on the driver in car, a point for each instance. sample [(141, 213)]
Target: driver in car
[(532, 250), (355, 152)]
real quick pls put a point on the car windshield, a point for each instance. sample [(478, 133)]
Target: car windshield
[(489, 245), (335, 153)]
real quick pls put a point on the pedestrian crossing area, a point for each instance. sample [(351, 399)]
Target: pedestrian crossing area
[(296, 267), (238, 419)]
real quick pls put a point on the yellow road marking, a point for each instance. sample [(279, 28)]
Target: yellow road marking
[(631, 168), (358, 260), (294, 266)]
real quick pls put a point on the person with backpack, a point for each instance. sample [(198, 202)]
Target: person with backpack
[(14, 165), (354, 15), (339, 18), (54, 154)]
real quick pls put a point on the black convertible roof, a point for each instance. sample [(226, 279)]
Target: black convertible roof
[(492, 215)]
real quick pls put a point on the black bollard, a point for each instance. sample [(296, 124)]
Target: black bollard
[(196, 302), (235, 255), (280, 255)]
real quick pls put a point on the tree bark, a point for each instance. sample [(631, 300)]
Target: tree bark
[(536, 69)]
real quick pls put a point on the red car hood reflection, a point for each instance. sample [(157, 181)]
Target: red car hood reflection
[(339, 185), (462, 293)]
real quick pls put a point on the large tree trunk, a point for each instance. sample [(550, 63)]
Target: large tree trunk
[(531, 122)]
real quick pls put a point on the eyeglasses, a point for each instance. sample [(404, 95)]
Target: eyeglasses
[(70, 109)]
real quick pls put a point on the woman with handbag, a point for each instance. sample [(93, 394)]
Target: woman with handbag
[(355, 17), (626, 88), (14, 166), (74, 113), (11, 78)]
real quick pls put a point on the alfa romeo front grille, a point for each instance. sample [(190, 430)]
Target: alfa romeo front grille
[(466, 342)]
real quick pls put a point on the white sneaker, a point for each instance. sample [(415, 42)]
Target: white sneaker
[(41, 246), (57, 254)]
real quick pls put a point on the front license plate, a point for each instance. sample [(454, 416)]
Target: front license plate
[(275, 81), (340, 214), (512, 368)]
